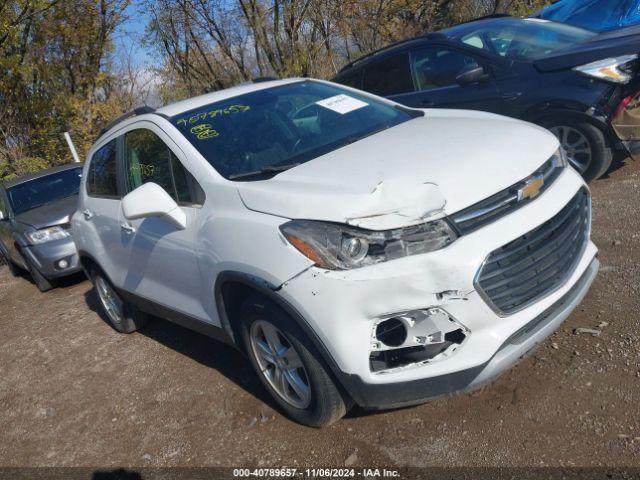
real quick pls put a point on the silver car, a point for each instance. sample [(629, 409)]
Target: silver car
[(35, 230)]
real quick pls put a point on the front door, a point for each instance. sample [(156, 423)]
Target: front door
[(161, 259), (435, 70)]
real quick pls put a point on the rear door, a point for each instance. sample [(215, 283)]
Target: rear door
[(161, 260), (434, 70), (96, 228)]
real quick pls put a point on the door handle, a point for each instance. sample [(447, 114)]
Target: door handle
[(428, 103), (126, 227), (510, 97), (88, 215)]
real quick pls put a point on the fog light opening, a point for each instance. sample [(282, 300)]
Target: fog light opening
[(457, 336), (392, 332), (62, 264)]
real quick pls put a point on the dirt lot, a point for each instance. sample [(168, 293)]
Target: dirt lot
[(75, 393)]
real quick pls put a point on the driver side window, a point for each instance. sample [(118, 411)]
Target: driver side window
[(148, 159), (439, 67)]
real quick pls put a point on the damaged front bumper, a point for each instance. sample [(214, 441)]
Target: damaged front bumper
[(626, 125), (453, 340), (517, 347)]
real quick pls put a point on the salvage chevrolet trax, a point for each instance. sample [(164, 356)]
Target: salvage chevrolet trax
[(356, 250)]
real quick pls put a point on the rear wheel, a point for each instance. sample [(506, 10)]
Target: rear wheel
[(288, 366), (586, 146), (125, 318)]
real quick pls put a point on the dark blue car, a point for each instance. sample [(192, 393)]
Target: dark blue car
[(581, 85), (598, 15)]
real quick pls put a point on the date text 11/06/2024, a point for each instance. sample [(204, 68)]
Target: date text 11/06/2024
[(316, 472)]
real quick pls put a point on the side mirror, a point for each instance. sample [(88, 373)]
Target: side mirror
[(2, 219), (475, 75), (150, 200)]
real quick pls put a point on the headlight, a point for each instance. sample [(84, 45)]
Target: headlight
[(47, 235), (560, 159), (341, 247), (616, 70)]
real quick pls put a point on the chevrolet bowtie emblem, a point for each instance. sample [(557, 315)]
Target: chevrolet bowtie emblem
[(532, 189)]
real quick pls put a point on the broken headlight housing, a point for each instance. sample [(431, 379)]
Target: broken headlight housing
[(342, 247)]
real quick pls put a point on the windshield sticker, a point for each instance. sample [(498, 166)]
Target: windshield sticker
[(342, 104), (204, 131), (199, 117)]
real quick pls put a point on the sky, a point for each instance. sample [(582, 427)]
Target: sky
[(130, 36)]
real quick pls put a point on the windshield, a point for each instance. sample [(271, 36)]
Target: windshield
[(256, 135), (44, 190), (528, 39), (595, 14)]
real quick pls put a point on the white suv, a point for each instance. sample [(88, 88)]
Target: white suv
[(354, 249)]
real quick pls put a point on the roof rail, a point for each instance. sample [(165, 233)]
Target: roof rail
[(121, 118), (428, 36)]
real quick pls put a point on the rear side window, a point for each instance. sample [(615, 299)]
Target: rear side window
[(389, 76), (351, 79), (149, 159), (102, 180)]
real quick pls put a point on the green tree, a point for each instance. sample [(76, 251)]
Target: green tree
[(54, 76)]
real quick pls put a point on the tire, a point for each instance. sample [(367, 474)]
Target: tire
[(323, 403), (122, 316), (577, 138), (43, 283), (13, 268)]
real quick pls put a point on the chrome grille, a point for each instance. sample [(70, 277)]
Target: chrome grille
[(539, 262), (504, 202)]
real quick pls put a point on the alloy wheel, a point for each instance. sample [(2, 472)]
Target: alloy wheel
[(576, 145), (110, 300), (280, 364)]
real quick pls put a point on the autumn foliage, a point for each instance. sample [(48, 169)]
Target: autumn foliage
[(57, 69)]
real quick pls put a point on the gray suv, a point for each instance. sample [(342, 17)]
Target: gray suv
[(35, 231)]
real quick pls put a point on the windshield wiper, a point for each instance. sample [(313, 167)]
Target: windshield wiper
[(263, 171)]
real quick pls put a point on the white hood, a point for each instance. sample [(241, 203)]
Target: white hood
[(422, 169)]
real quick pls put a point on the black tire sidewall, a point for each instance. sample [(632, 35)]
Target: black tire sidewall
[(327, 404), (13, 268)]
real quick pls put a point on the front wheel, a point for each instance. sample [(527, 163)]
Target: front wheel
[(586, 146), (288, 366), (13, 268), (123, 317)]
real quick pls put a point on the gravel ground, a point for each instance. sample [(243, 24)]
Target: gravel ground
[(75, 393)]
